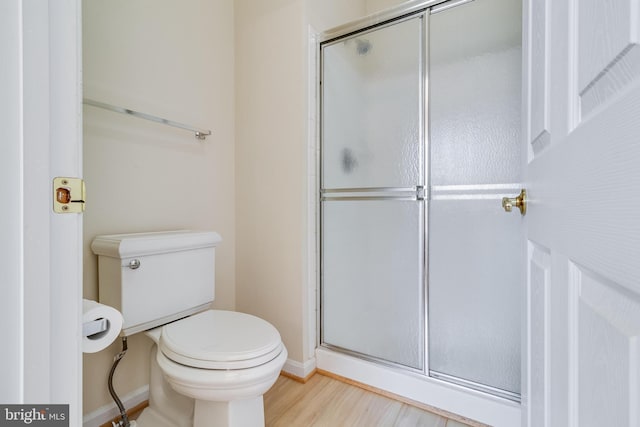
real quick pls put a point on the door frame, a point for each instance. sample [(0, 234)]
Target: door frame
[(11, 165), (46, 248)]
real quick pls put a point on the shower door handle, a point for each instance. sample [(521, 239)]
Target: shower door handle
[(519, 202)]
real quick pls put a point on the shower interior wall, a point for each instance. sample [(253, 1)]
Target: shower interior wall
[(242, 69)]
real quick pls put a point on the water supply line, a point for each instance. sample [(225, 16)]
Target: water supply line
[(124, 421)]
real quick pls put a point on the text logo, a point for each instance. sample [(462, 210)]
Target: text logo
[(34, 415)]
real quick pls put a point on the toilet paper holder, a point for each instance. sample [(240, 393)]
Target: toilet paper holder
[(94, 327)]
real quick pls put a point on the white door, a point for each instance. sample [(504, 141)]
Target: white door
[(583, 177), (40, 252)]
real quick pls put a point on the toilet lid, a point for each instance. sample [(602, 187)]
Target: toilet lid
[(216, 339)]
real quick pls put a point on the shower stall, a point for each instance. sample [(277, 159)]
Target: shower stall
[(420, 268)]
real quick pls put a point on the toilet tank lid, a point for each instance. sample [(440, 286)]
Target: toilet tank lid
[(140, 244)]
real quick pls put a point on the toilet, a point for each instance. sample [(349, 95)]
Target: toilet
[(208, 367)]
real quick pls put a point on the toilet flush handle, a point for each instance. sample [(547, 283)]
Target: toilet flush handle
[(134, 264)]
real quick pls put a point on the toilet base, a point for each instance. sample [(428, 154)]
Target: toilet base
[(236, 413)]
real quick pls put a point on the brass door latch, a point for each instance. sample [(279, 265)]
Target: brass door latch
[(519, 202), (68, 195)]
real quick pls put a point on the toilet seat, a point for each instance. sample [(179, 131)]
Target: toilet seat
[(217, 339)]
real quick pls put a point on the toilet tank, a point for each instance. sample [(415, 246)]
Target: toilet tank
[(156, 278)]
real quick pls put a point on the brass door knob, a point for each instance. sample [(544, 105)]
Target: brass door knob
[(519, 202)]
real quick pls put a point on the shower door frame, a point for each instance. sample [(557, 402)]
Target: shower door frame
[(390, 194), (439, 396)]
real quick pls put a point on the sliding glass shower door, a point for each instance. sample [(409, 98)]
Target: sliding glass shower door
[(397, 180), (475, 249), (372, 200)]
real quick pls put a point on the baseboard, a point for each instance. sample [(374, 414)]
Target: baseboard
[(299, 371), (106, 413)]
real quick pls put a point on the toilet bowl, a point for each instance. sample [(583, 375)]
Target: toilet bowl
[(223, 361), (208, 367)]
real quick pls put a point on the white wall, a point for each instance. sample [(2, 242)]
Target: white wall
[(373, 6), (249, 181), (174, 60), (272, 100), (270, 173)]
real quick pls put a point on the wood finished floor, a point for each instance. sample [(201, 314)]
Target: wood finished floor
[(325, 401)]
